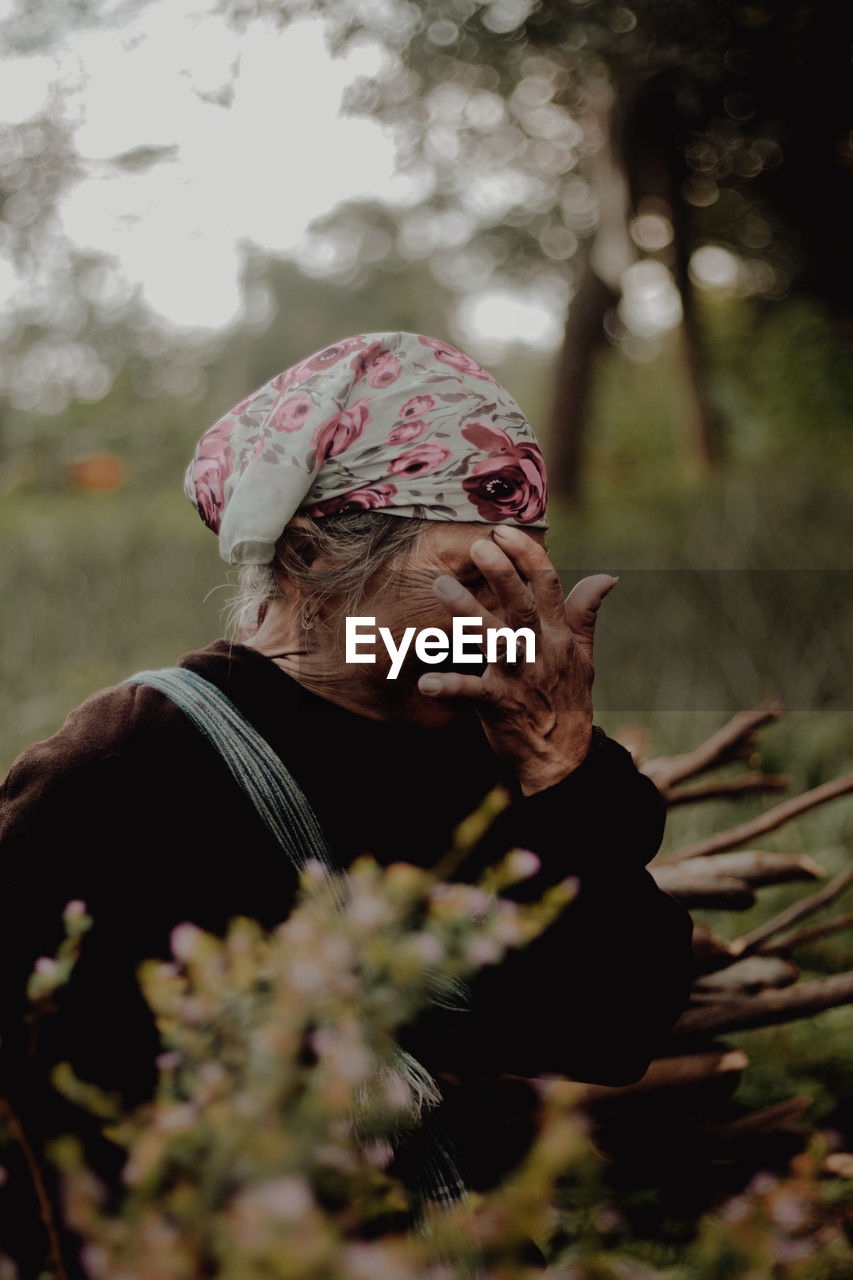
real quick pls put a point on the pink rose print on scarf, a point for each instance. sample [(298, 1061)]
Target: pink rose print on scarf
[(416, 406), (340, 431), (359, 362), (457, 359), (405, 431), (372, 496), (331, 355), (509, 485), (291, 414), (378, 364), (420, 460), (384, 370), (283, 380), (213, 464)]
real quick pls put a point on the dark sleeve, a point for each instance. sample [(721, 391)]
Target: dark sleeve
[(594, 997), (60, 834)]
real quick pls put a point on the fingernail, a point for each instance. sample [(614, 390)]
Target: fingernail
[(445, 585), (485, 548), (505, 531), (429, 684)]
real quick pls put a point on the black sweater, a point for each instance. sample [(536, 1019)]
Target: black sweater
[(129, 808)]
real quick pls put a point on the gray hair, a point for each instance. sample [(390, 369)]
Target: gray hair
[(354, 545)]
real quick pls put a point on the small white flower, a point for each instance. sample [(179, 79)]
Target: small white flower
[(428, 947), (523, 863), (354, 1062), (287, 1197), (182, 939), (94, 1259), (378, 1153), (305, 976), (483, 951), (368, 909), (177, 1118)]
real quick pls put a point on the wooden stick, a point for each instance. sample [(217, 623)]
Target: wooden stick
[(681, 1072), (709, 951), (766, 1009), (751, 974), (805, 907), (745, 782), (767, 1120), (46, 1211), (753, 866), (805, 935), (724, 893), (665, 771), (765, 822)]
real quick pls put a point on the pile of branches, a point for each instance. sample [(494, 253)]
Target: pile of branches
[(684, 1104)]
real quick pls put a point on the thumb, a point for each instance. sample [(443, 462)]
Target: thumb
[(582, 605)]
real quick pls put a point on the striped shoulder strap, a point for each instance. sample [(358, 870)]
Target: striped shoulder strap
[(285, 809), (256, 768)]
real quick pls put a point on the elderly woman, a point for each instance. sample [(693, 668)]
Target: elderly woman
[(387, 478)]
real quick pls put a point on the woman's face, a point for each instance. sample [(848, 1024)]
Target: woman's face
[(403, 596)]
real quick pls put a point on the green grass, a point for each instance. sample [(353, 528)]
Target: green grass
[(95, 586)]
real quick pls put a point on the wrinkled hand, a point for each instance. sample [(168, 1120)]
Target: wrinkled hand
[(537, 715)]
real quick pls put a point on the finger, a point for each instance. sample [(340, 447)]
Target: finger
[(582, 604), (462, 603), (451, 684), (514, 595), (535, 564)]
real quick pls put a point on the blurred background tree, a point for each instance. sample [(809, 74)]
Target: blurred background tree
[(600, 158), (590, 149)]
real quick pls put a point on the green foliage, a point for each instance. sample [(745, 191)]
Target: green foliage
[(282, 1090), (282, 1093)]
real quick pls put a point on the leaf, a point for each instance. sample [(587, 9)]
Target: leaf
[(488, 439)]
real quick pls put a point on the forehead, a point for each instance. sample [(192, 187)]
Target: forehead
[(452, 539)]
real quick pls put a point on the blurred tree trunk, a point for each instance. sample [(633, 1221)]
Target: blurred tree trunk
[(705, 421), (636, 165), (584, 334), (649, 146), (607, 255)]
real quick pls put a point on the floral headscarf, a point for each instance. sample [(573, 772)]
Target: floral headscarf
[(394, 421)]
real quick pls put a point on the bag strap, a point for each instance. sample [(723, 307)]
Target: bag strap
[(285, 809), (259, 772)]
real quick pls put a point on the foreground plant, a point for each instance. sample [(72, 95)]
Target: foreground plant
[(283, 1095), (283, 1092)]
